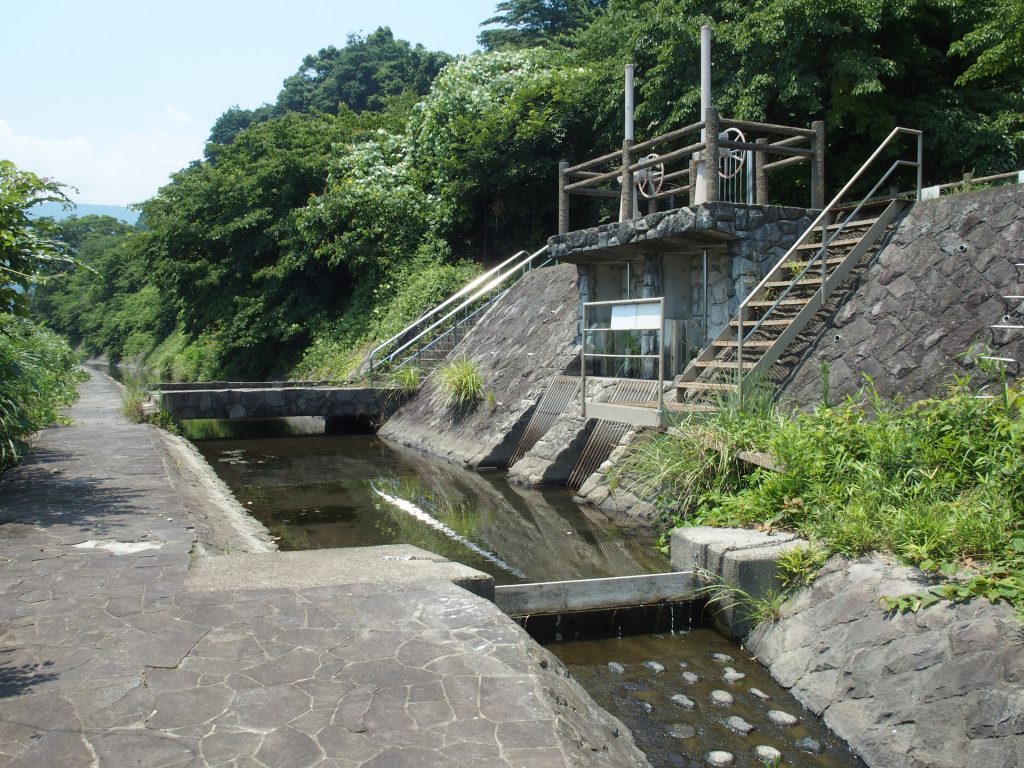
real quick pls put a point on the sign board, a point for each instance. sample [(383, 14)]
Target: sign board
[(636, 317)]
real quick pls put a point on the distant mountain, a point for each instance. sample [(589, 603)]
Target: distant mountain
[(55, 211)]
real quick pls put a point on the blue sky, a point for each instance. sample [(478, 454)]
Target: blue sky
[(111, 97)]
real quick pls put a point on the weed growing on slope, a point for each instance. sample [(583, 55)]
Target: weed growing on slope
[(938, 481), (460, 384)]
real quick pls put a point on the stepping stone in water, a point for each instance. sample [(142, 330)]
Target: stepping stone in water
[(689, 677), (766, 754), (655, 666), (725, 658), (682, 731), (683, 701), (809, 745), (784, 719), (721, 698), (615, 668), (646, 706), (757, 693), (720, 758), (739, 725), (730, 675)]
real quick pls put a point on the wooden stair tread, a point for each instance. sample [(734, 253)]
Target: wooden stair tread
[(782, 322), (727, 365), (783, 303), (834, 244), (717, 386), (787, 283), (832, 260), (746, 344)]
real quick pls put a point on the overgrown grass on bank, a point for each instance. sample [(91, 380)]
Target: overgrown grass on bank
[(38, 373), (938, 484)]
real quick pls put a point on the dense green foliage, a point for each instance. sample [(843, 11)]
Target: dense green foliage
[(935, 481), (384, 173), (38, 371)]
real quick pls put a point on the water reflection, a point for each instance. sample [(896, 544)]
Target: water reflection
[(357, 490)]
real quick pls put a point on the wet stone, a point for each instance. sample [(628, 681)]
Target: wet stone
[(646, 706), (655, 666), (739, 725), (689, 677), (720, 758), (784, 719), (724, 658), (732, 676), (757, 693), (767, 755), (682, 731), (615, 668), (810, 745), (683, 701), (634, 686), (721, 698)]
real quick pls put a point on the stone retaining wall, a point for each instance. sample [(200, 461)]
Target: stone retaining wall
[(519, 345), (929, 298), (943, 688)]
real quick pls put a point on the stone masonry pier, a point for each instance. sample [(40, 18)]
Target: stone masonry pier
[(362, 406), (121, 646)]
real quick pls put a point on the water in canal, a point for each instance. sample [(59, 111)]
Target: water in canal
[(317, 491)]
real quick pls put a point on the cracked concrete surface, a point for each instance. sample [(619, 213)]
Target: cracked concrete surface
[(107, 660)]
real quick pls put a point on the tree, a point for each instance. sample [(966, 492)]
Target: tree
[(529, 23), (361, 75), (28, 248)]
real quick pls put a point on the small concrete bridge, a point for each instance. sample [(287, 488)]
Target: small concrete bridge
[(343, 408)]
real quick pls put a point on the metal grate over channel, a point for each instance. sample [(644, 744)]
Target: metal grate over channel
[(608, 434), (556, 398)]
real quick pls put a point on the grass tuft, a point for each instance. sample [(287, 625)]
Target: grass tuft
[(460, 384)]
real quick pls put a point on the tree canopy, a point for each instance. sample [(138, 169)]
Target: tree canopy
[(385, 173)]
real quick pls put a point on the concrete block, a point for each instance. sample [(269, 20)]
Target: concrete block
[(740, 558), (395, 565)]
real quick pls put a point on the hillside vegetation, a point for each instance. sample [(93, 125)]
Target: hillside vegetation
[(385, 174)]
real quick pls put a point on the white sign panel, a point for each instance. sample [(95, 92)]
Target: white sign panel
[(636, 317)]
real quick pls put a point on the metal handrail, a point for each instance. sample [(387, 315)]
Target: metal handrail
[(477, 288), (660, 357), (821, 253)]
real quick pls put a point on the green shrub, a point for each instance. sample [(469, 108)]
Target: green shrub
[(937, 481), (406, 379), (459, 384), (38, 373)]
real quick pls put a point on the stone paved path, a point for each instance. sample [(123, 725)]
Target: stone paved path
[(107, 660)]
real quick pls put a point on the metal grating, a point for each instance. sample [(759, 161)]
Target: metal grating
[(608, 434), (556, 398)]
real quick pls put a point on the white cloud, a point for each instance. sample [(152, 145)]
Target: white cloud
[(112, 170)]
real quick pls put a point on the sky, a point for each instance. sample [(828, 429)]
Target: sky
[(112, 97)]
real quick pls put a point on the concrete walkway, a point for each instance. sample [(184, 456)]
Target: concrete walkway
[(108, 658)]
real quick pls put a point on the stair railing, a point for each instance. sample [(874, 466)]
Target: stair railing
[(743, 333), (821, 255), (475, 290)]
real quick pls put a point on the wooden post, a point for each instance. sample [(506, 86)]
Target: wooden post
[(563, 199), (626, 197), (818, 165), (691, 186), (712, 128), (760, 176)]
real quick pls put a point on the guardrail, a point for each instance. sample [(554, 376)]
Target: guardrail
[(426, 330), (718, 137)]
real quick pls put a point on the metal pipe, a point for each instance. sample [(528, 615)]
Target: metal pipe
[(705, 104), (704, 303), (583, 367)]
